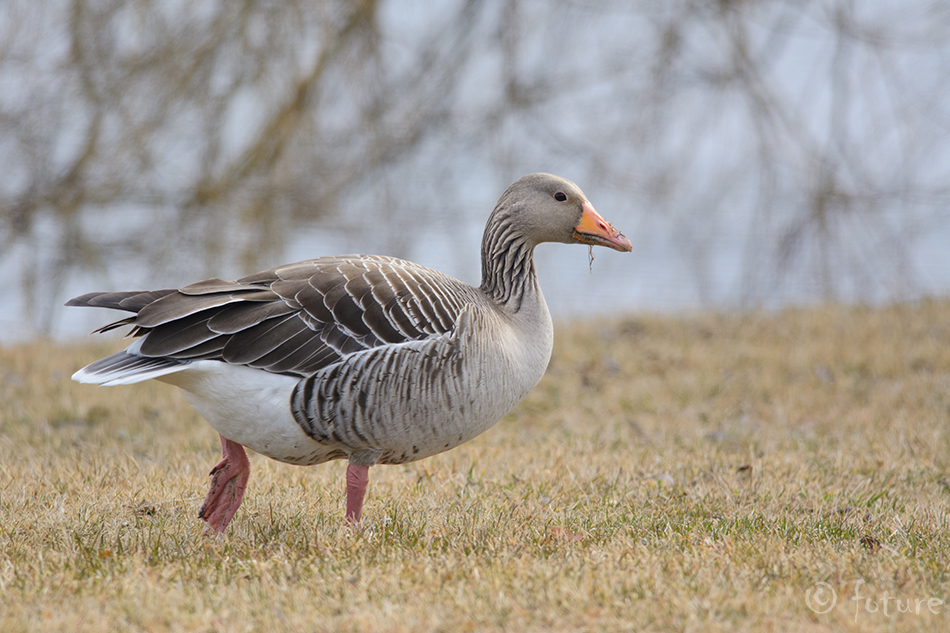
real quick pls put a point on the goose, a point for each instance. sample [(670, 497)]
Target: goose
[(368, 358)]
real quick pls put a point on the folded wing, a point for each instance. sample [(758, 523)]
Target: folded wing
[(294, 319)]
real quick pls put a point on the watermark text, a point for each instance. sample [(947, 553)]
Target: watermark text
[(822, 598)]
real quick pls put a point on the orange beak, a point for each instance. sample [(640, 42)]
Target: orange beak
[(596, 231)]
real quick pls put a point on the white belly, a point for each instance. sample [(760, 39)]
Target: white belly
[(251, 407)]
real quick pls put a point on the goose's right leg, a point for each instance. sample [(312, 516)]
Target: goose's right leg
[(229, 479)]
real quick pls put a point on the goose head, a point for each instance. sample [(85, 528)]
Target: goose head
[(547, 208)]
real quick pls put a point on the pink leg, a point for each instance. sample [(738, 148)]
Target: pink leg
[(229, 479), (356, 479)]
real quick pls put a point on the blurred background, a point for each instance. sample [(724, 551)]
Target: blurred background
[(756, 153)]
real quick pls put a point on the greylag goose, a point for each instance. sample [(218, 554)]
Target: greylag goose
[(373, 359)]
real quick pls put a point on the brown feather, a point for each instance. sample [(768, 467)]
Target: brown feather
[(174, 337), (177, 306), (261, 339), (210, 349), (131, 301), (213, 286), (285, 357), (311, 300), (237, 317), (294, 319)]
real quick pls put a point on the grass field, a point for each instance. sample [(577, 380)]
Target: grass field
[(696, 473)]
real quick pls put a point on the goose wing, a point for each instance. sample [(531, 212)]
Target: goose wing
[(294, 319)]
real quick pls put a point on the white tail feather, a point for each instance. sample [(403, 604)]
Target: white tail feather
[(128, 377), (127, 368)]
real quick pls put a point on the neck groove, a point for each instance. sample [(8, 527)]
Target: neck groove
[(508, 273)]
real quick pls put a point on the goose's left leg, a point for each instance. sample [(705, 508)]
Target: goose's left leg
[(357, 478), (229, 479)]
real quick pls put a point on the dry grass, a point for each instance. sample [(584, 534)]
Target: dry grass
[(689, 474)]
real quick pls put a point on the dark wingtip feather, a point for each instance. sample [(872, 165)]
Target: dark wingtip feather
[(115, 324), (131, 301), (83, 300)]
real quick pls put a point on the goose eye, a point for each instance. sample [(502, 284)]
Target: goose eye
[(560, 196)]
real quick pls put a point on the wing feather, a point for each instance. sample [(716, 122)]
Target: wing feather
[(173, 337), (294, 319), (261, 339), (240, 316), (173, 307), (310, 300), (346, 311), (213, 286), (130, 301)]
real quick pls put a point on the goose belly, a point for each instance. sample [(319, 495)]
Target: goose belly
[(250, 407), (440, 421), (408, 427), (441, 428)]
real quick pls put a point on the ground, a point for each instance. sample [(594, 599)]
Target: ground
[(752, 471)]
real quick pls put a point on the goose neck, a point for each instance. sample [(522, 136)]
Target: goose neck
[(508, 273)]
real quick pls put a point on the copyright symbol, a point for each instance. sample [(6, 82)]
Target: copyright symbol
[(821, 598)]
